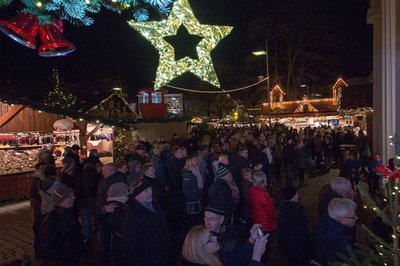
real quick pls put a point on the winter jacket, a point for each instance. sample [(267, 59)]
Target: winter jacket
[(293, 236), (145, 239), (263, 209), (60, 238), (183, 262), (46, 186), (324, 201), (102, 189), (34, 195), (232, 251), (220, 194), (86, 189), (245, 206), (330, 238), (160, 169), (190, 186), (289, 154)]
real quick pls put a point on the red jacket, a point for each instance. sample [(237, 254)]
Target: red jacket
[(263, 209)]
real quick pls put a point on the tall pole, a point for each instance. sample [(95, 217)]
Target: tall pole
[(267, 66)]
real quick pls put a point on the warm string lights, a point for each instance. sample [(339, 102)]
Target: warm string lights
[(169, 68), (57, 97), (388, 253)]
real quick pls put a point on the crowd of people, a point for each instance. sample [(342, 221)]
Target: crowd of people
[(180, 202)]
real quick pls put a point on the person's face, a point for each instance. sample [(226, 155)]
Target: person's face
[(225, 160), (124, 169), (151, 171), (138, 168), (244, 153), (184, 153), (349, 220), (68, 202), (257, 167), (211, 243), (146, 196), (248, 176), (141, 152), (213, 221), (377, 157), (194, 162), (108, 171)]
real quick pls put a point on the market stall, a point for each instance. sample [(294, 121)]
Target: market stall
[(24, 132)]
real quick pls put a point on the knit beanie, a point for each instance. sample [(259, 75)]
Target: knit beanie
[(117, 190), (222, 171), (215, 209), (60, 194)]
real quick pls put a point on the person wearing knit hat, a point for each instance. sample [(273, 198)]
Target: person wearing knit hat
[(220, 192), (222, 171), (293, 234), (117, 196), (60, 237), (144, 229), (232, 251), (63, 196), (118, 192)]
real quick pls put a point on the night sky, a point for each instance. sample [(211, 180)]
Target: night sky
[(110, 49)]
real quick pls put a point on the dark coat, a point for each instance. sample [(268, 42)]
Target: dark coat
[(330, 238), (232, 251), (60, 238), (245, 206), (93, 160), (104, 185), (34, 196), (86, 189), (220, 195), (175, 173), (289, 154), (293, 235), (301, 155), (237, 165), (160, 169), (324, 201), (183, 262), (145, 238), (190, 186)]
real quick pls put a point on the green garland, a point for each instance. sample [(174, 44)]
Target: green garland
[(78, 12)]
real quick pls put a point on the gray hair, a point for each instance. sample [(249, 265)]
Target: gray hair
[(259, 179), (341, 207), (340, 185)]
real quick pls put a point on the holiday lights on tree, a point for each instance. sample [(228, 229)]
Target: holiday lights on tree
[(381, 252), (56, 97)]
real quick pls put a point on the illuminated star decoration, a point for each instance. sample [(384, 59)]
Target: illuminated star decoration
[(169, 68)]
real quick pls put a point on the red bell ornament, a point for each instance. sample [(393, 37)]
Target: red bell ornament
[(53, 42), (22, 29)]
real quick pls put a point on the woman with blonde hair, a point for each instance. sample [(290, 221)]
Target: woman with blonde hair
[(201, 247)]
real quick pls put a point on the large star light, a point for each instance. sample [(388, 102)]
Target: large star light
[(169, 68)]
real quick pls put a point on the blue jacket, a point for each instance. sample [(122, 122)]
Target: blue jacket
[(330, 238)]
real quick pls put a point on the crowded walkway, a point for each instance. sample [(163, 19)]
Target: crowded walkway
[(224, 176)]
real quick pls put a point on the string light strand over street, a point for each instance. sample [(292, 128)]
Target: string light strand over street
[(216, 92)]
